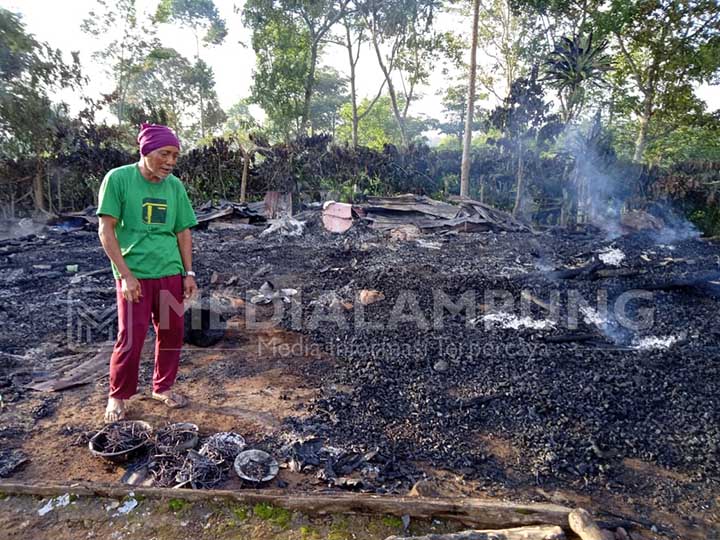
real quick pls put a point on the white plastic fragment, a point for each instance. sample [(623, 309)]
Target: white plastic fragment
[(56, 502), (128, 506)]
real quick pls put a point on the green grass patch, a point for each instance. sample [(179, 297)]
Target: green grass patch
[(392, 521), (241, 513), (309, 533), (176, 505), (273, 514)]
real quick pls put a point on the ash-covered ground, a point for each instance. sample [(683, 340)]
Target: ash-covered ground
[(557, 356)]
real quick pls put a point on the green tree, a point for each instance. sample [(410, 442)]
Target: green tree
[(574, 65), (29, 72), (470, 110), (312, 19), (454, 102), (128, 43), (203, 18), (379, 128), (523, 118), (406, 47), (666, 47), (280, 73), (331, 93)]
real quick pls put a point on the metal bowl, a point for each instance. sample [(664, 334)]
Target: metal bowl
[(181, 426), (95, 443), (248, 457)]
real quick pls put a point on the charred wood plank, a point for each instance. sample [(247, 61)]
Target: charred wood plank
[(543, 532), (471, 511)]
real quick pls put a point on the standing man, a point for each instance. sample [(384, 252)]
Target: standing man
[(145, 220)]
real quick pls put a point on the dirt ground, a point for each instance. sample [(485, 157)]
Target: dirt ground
[(243, 384), (173, 519), (264, 388)]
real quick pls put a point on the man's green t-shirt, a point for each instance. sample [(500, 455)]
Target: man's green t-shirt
[(149, 215)]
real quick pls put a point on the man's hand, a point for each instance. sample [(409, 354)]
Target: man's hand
[(189, 287), (131, 289)]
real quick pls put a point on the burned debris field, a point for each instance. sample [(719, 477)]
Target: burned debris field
[(494, 363)]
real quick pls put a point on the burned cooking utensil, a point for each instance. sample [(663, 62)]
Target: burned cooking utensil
[(120, 441), (176, 437), (222, 448), (256, 466)]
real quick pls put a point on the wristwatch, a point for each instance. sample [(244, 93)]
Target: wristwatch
[(189, 273)]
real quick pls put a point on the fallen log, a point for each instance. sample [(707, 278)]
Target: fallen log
[(701, 280), (546, 532), (470, 511), (585, 527)]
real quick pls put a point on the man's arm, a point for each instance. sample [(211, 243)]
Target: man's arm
[(131, 289), (184, 240)]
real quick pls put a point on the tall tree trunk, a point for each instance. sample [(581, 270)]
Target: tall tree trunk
[(466, 158), (245, 170), (353, 91), (520, 193), (309, 86), (641, 139), (391, 90), (39, 185)]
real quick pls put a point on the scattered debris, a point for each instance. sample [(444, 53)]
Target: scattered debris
[(223, 447), (284, 226), (128, 506), (405, 233), (436, 216), (638, 220), (256, 466), (338, 217), (199, 472), (175, 437), (369, 296), (56, 502), (120, 440), (10, 460), (267, 293), (611, 256)]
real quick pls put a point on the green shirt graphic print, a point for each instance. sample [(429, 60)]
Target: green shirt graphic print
[(149, 214)]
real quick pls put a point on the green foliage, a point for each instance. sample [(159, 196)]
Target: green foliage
[(573, 65), (392, 521), (177, 505), (331, 93), (378, 127), (281, 48), (241, 513), (275, 515), (29, 72), (201, 15)]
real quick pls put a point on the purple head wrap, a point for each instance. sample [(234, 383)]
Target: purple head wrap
[(154, 136)]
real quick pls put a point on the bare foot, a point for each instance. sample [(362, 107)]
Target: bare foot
[(115, 410), (173, 400)]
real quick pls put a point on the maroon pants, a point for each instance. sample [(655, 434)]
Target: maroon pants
[(162, 300)]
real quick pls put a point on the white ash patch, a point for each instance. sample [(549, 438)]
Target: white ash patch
[(655, 342), (508, 320), (593, 316), (611, 256)]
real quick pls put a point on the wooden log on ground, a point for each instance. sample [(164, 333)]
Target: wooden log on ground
[(546, 532), (473, 512), (585, 527)]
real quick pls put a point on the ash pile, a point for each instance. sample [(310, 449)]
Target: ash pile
[(577, 350)]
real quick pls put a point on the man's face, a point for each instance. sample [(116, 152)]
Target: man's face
[(160, 162)]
